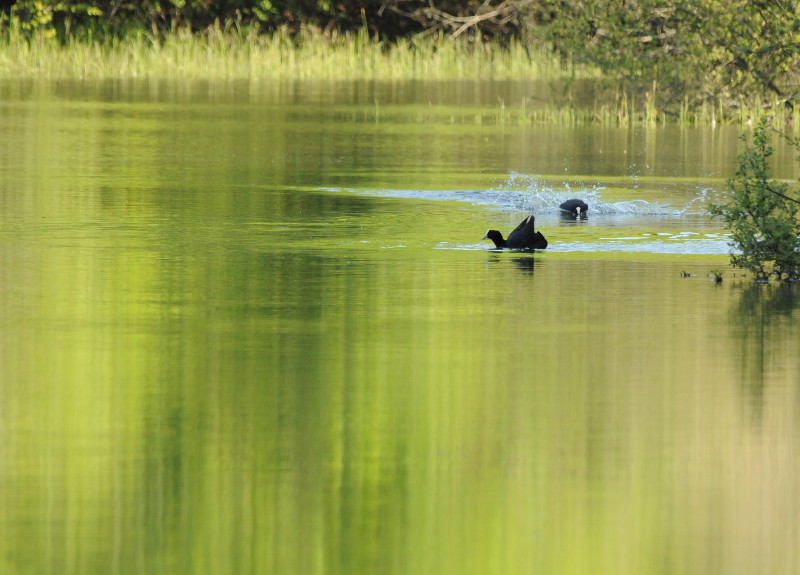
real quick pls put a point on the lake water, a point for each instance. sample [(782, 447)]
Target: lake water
[(252, 328)]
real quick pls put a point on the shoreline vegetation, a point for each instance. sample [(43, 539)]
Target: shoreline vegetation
[(230, 53), (698, 70)]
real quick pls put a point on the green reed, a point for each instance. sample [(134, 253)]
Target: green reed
[(232, 53), (228, 52)]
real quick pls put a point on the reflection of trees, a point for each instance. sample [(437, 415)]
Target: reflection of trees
[(763, 322), (776, 301)]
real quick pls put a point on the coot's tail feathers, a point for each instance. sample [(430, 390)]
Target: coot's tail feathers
[(525, 223), (525, 237), (520, 237), (539, 242)]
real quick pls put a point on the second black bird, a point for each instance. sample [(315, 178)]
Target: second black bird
[(523, 237)]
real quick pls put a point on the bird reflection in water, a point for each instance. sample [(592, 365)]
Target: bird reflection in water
[(525, 265)]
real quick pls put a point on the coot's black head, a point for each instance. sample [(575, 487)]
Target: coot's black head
[(496, 237)]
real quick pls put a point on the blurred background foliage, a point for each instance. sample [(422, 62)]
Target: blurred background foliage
[(731, 53)]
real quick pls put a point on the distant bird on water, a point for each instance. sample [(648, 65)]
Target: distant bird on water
[(574, 207), (524, 237)]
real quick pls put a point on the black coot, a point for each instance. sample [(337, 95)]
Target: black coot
[(575, 207), (524, 237)]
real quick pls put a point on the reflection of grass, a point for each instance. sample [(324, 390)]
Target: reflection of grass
[(230, 53), (617, 114)]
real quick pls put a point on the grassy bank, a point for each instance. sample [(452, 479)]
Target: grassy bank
[(230, 53)]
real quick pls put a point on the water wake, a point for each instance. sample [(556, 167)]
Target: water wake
[(541, 197), (526, 193)]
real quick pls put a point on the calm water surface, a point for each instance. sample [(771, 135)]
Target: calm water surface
[(253, 329)]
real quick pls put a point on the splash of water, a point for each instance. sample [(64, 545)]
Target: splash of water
[(539, 196), (532, 193)]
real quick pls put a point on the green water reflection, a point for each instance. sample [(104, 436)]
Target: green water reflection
[(203, 370)]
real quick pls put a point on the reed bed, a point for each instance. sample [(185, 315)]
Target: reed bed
[(231, 53), (228, 53)]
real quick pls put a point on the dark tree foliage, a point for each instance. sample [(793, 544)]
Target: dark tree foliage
[(390, 19), (116, 17), (498, 18), (731, 51)]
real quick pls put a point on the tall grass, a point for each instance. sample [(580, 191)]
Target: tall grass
[(231, 53)]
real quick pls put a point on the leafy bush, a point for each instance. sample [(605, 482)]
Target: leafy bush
[(762, 214)]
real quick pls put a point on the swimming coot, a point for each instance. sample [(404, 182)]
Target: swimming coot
[(575, 207), (524, 237)]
